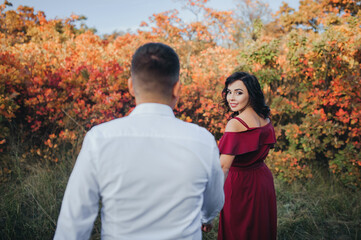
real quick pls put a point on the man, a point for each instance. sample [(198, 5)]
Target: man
[(157, 177)]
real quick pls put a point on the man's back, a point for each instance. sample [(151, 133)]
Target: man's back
[(152, 172)]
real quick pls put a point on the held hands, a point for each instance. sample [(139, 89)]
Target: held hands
[(207, 227)]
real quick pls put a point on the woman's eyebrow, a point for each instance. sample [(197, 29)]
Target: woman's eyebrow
[(237, 89)]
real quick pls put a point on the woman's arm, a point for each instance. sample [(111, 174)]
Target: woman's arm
[(226, 162), (233, 125)]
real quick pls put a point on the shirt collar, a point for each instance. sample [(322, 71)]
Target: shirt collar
[(153, 109)]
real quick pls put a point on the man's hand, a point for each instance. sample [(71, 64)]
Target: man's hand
[(207, 227)]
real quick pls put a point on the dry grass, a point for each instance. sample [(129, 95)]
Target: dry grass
[(318, 209)]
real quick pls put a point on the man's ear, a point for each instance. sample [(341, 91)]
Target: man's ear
[(177, 89), (130, 86)]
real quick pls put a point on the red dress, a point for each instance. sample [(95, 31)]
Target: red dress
[(250, 210)]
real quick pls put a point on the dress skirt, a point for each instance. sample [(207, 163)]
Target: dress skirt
[(250, 209)]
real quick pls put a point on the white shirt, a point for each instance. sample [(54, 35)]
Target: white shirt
[(156, 176)]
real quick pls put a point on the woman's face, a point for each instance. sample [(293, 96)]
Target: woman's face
[(237, 95)]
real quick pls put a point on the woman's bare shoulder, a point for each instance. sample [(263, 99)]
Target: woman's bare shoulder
[(234, 125), (253, 120)]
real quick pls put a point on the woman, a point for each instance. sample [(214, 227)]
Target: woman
[(250, 210)]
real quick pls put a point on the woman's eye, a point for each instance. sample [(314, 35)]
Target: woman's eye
[(239, 93)]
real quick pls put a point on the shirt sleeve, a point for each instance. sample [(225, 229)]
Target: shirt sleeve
[(81, 199), (213, 194)]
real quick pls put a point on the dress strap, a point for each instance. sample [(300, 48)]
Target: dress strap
[(243, 122)]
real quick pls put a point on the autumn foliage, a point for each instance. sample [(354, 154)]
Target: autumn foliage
[(57, 81)]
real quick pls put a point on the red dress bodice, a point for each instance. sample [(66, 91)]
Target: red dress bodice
[(250, 146)]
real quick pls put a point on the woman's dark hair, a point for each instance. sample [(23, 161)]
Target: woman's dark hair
[(256, 97)]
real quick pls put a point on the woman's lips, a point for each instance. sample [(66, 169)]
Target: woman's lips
[(233, 105)]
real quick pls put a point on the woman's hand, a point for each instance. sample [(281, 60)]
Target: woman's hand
[(207, 227)]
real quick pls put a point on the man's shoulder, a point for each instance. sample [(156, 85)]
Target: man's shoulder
[(109, 127), (196, 129), (130, 125)]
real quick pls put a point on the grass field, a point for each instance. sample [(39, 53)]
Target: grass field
[(320, 208)]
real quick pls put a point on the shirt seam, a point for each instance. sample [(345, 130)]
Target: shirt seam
[(149, 136)]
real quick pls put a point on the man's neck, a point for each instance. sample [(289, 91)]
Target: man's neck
[(154, 100)]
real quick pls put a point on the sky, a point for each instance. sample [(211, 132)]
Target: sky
[(107, 16)]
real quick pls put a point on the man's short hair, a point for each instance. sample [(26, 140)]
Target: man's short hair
[(155, 68)]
